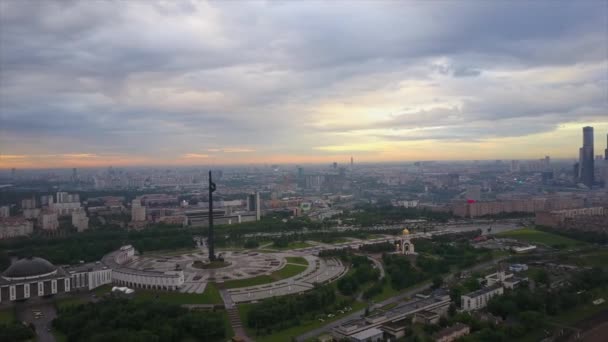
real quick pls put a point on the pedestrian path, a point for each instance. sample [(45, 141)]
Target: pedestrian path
[(233, 315)]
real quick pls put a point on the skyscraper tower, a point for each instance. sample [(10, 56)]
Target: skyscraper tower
[(74, 175), (586, 163), (606, 150)]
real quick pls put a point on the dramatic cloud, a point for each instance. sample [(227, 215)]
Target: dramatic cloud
[(241, 82)]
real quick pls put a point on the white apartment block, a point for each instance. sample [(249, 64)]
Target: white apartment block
[(479, 299), (15, 226)]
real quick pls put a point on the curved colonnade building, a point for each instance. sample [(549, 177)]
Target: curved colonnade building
[(122, 274)]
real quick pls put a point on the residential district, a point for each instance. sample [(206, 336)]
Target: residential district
[(424, 251)]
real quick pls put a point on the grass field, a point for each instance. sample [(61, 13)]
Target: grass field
[(69, 301), (387, 292), (585, 311), (288, 334), (291, 245), (297, 260), (171, 252), (6, 316), (210, 296), (534, 236), (286, 272), (598, 258)]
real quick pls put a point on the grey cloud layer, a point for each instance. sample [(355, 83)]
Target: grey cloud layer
[(139, 76)]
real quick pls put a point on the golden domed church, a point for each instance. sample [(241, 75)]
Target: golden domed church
[(403, 244)]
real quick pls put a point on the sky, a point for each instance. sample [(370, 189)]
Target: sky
[(99, 83)]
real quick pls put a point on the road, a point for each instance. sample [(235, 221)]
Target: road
[(378, 265), (410, 292), (42, 324)]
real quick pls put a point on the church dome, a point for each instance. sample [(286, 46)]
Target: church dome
[(405, 232), (29, 267)]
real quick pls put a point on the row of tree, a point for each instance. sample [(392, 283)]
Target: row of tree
[(94, 244), (120, 320), (15, 331), (279, 313), (362, 272)]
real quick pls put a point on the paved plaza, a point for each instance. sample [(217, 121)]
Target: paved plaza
[(242, 265), (318, 271)]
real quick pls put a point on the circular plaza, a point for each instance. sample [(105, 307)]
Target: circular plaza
[(246, 275)]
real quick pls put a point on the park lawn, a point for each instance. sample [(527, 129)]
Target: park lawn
[(237, 283), (102, 290), (297, 260), (211, 295), (285, 272), (534, 236), (582, 312), (69, 301), (292, 245), (7, 316), (288, 271), (288, 334), (171, 252), (595, 259), (387, 292)]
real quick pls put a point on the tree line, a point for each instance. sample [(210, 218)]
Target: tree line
[(124, 320), (278, 313), (92, 245)]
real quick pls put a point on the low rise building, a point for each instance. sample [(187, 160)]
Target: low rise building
[(436, 302), (369, 335), (452, 333), (518, 267), (122, 274), (479, 299), (89, 276), (395, 330), (32, 277), (497, 278), (426, 317)]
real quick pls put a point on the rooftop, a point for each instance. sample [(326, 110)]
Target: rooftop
[(29, 267), (483, 291), (450, 330), (365, 334)]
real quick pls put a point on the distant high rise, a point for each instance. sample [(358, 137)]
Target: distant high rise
[(515, 166), (74, 174), (352, 162), (473, 193), (334, 165), (13, 173), (138, 212), (586, 163), (253, 204), (606, 150)]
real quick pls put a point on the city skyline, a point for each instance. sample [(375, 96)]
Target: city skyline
[(94, 84)]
